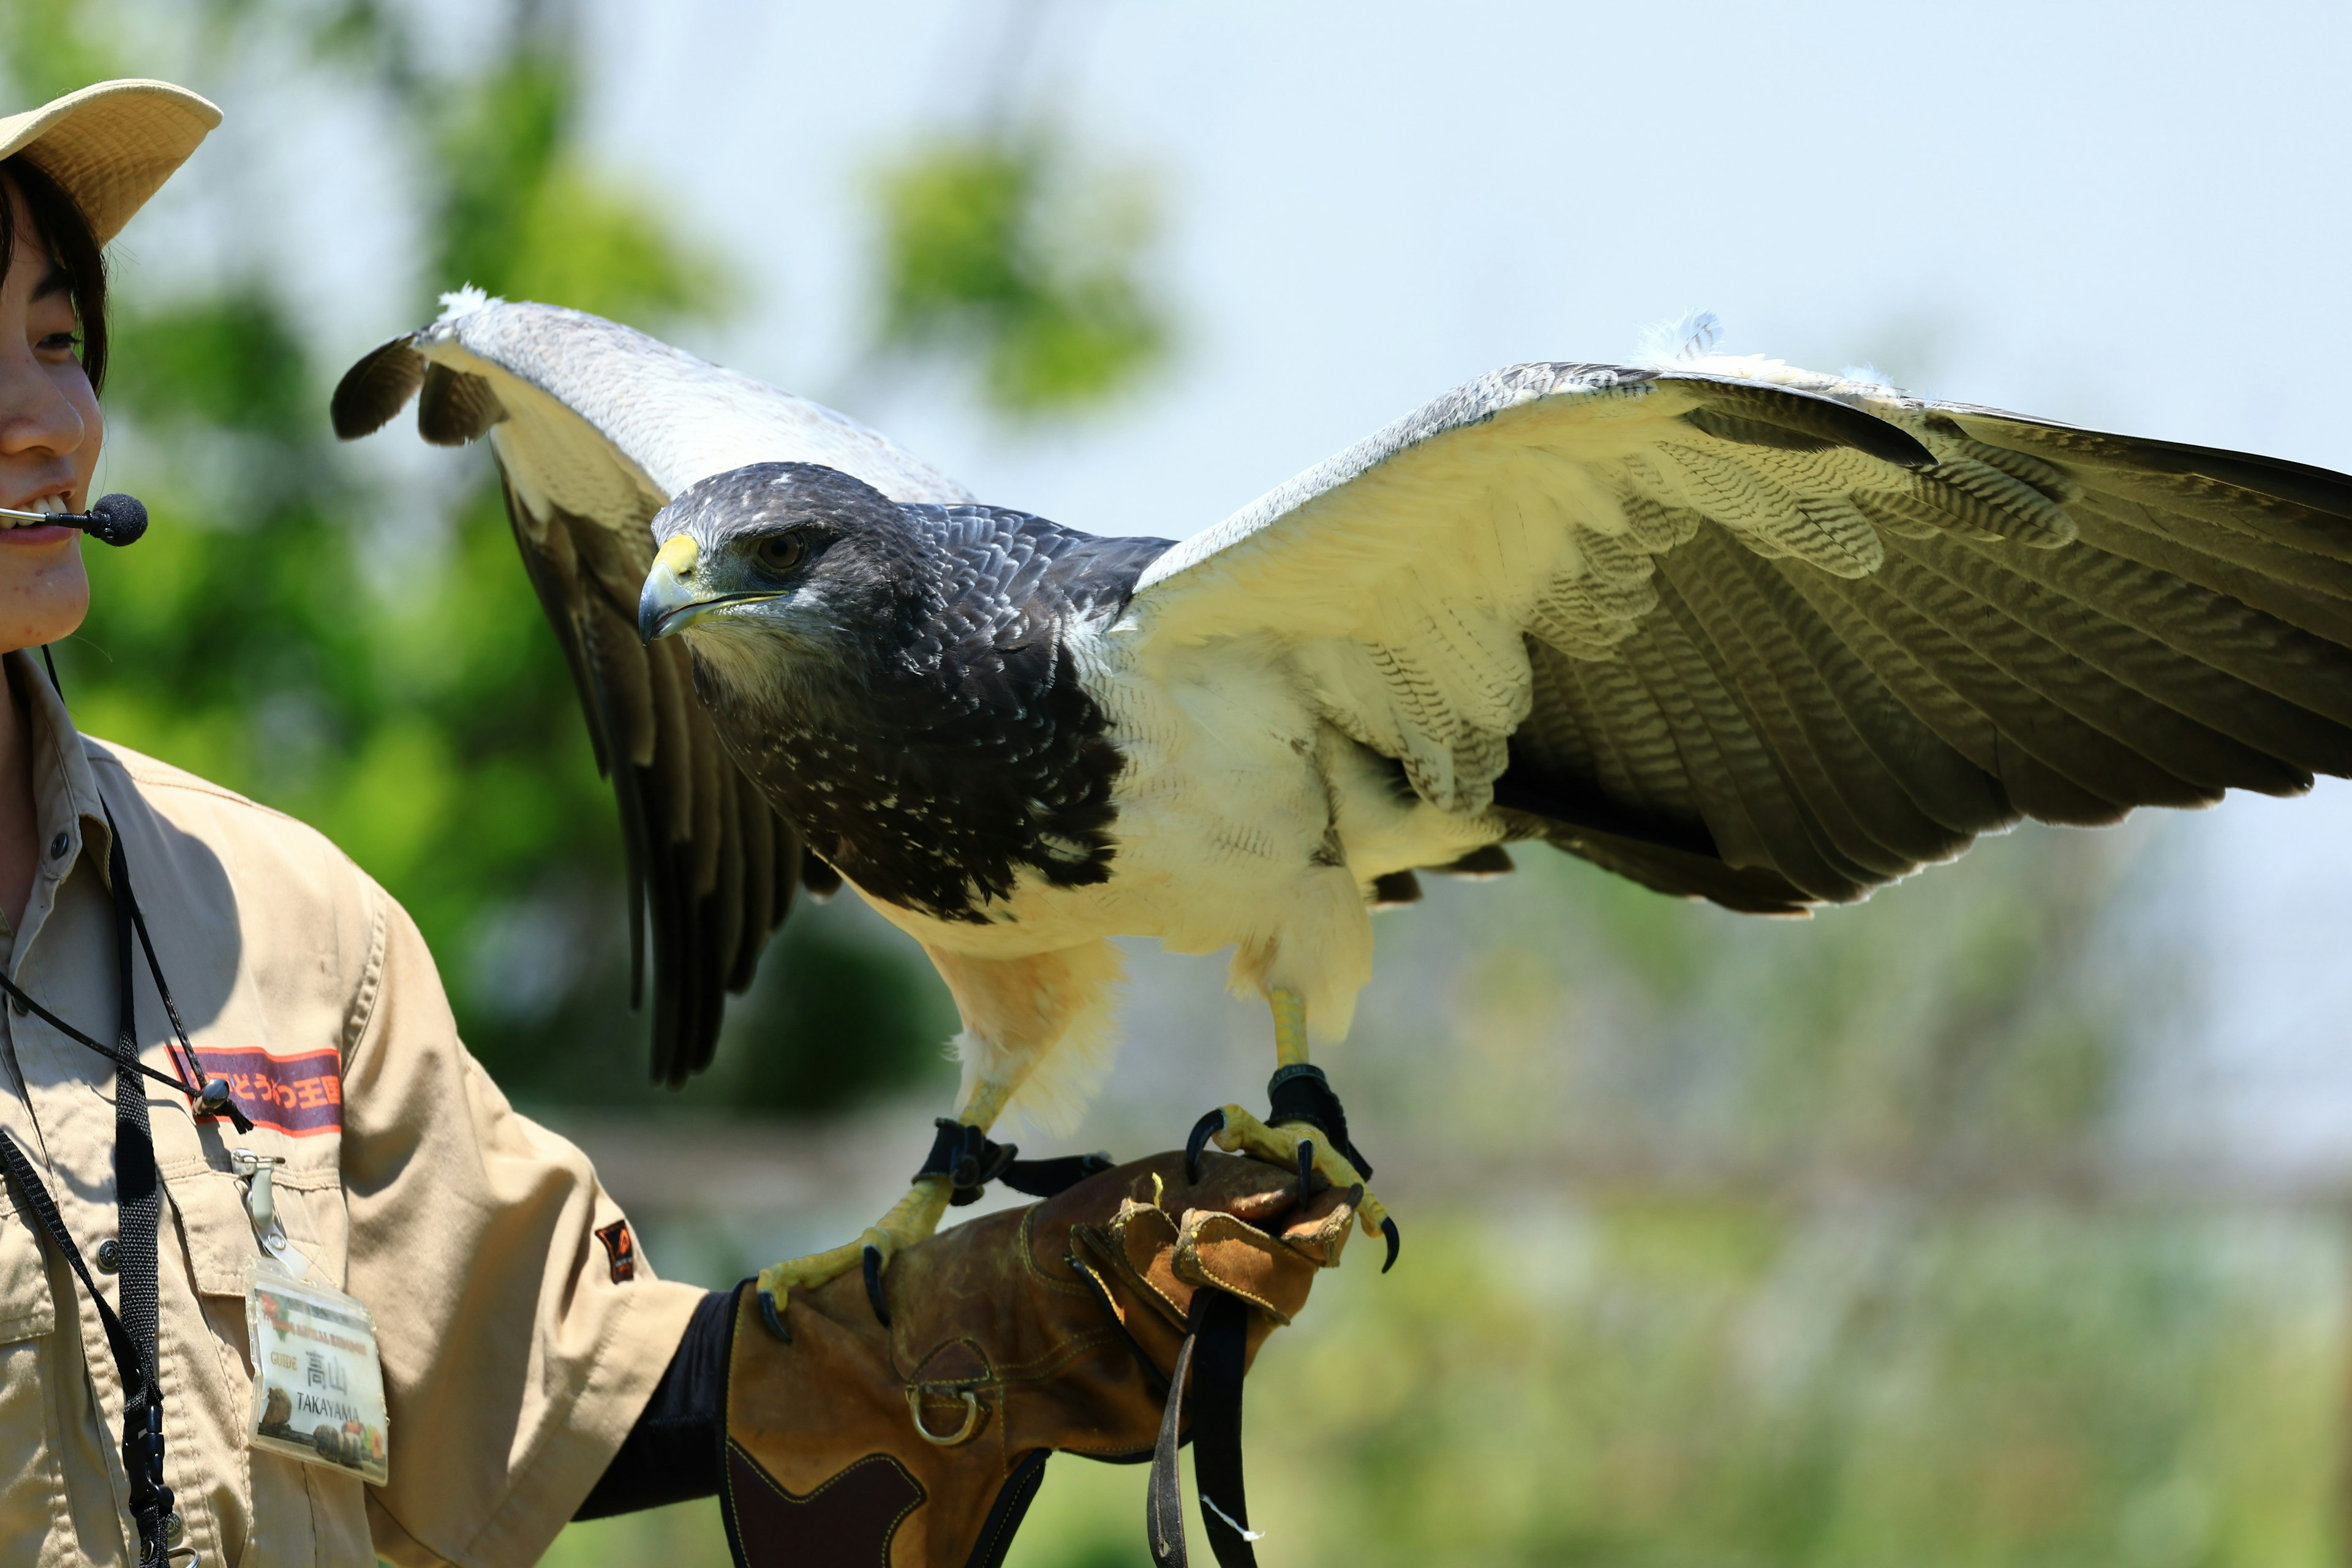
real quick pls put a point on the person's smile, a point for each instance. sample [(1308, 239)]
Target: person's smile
[(21, 533)]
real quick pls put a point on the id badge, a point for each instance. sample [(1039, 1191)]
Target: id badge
[(317, 1380), (317, 1384)]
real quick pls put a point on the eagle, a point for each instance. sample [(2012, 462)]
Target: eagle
[(1734, 630)]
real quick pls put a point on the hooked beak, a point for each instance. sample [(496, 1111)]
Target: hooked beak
[(671, 602), (667, 605)]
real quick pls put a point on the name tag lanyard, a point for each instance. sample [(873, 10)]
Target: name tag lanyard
[(139, 1196)]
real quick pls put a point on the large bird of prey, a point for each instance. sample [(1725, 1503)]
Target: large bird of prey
[(1734, 630)]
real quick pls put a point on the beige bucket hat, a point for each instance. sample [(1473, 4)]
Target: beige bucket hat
[(111, 146)]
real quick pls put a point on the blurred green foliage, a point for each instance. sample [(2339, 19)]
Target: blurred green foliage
[(1713, 1383), (52, 48), (1986, 1016), (525, 216), (998, 248), (1646, 1384), (393, 684)]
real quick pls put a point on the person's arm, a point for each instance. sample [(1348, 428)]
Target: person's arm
[(522, 1332), (672, 1454)]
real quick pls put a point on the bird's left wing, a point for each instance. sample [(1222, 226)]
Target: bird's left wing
[(1772, 637), (595, 427)]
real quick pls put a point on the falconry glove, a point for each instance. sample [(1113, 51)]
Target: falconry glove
[(1069, 1325)]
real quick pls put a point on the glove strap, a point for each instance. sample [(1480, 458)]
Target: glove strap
[(1219, 1334), (969, 1161)]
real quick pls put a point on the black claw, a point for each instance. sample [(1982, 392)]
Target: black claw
[(1208, 1126), (1396, 1242), (1306, 1170), (874, 1285), (773, 1319)]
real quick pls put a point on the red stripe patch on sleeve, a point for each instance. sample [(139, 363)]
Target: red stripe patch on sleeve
[(300, 1096)]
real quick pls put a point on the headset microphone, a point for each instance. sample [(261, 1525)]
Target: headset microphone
[(115, 520)]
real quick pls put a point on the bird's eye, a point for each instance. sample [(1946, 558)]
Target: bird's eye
[(780, 552)]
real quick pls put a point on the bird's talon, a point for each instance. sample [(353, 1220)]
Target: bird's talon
[(872, 1261), (912, 1218), (772, 1318), (1238, 1132), (1208, 1126), (1294, 1146)]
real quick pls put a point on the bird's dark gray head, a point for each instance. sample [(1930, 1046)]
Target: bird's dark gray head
[(790, 553)]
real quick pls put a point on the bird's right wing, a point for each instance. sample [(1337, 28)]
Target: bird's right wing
[(595, 427), (1772, 637)]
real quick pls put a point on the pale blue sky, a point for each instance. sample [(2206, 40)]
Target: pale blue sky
[(2127, 215)]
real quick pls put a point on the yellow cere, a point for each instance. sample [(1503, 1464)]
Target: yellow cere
[(679, 554)]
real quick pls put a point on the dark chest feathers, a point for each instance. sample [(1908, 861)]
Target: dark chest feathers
[(967, 750)]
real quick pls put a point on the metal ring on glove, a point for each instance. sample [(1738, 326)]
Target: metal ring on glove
[(963, 1434)]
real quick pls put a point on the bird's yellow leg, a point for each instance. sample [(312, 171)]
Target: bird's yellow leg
[(911, 1219), (1289, 1027), (1243, 1133)]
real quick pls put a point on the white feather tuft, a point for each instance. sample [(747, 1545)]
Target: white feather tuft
[(1047, 1023), (465, 301), (1689, 336)]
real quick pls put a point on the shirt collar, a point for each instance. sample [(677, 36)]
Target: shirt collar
[(65, 788)]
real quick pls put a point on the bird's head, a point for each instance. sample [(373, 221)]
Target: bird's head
[(793, 553)]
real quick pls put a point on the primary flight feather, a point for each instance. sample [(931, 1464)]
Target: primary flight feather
[(1732, 629), (595, 427)]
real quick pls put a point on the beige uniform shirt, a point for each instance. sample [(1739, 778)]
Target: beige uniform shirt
[(514, 1359)]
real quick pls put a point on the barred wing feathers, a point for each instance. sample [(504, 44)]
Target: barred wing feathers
[(594, 427), (1774, 639)]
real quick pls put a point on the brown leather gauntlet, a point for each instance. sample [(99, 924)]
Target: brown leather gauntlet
[(1053, 1327)]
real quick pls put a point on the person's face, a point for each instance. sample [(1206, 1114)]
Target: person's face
[(50, 436)]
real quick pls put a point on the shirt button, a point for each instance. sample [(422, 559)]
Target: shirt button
[(110, 1255), (58, 846), (17, 1002)]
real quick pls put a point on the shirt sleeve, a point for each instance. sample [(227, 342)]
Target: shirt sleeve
[(517, 1350)]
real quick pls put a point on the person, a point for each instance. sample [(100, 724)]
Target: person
[(235, 1078)]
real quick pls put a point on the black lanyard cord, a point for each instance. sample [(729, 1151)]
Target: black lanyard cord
[(212, 1098), (143, 1402), (212, 1095), (131, 1332), (187, 1059), (139, 1200), (35, 1196), (142, 1406), (17, 994)]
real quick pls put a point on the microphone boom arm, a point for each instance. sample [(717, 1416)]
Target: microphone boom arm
[(116, 520)]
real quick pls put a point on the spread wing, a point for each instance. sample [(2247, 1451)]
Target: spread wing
[(1774, 639), (594, 427)]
